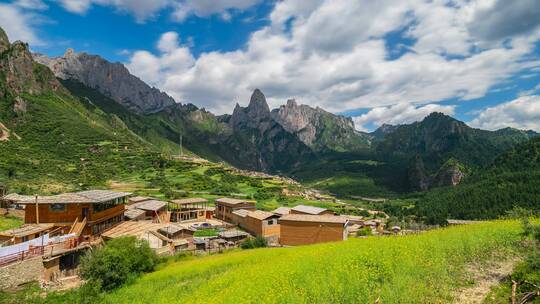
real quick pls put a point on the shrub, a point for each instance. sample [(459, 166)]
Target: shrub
[(364, 231), (117, 262), (257, 242)]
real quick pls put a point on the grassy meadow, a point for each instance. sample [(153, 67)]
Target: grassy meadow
[(9, 222), (424, 268)]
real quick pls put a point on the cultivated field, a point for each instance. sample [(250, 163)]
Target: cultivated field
[(423, 268)]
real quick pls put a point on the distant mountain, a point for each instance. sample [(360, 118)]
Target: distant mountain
[(50, 140), (511, 179), (111, 79), (274, 147), (319, 129), (429, 144)]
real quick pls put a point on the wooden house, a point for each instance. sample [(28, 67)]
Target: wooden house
[(310, 210), (282, 211), (238, 217), (24, 233), (87, 212), (189, 209), (261, 223), (225, 207), (302, 229)]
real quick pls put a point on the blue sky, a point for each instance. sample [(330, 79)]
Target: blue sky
[(379, 62)]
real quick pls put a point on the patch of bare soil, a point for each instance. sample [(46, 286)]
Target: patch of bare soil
[(484, 277), (4, 132)]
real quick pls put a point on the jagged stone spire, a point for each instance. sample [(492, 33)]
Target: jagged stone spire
[(258, 107), (4, 41)]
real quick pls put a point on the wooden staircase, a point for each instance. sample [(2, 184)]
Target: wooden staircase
[(78, 227)]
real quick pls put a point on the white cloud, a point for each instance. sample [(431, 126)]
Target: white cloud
[(168, 42), (18, 24), (145, 9), (334, 54), (399, 114), (521, 113), (205, 8), (31, 4)]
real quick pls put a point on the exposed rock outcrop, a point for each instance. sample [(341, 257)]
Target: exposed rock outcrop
[(111, 79), (21, 74), (319, 129)]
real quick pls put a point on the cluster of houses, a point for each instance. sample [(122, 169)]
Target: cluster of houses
[(65, 225)]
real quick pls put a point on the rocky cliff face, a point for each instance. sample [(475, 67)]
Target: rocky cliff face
[(262, 143), (18, 71), (319, 129), (111, 79)]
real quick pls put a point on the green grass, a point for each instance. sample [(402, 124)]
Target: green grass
[(205, 232), (422, 268), (9, 222)]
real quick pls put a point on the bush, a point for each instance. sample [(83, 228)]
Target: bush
[(364, 231), (117, 262), (257, 242)]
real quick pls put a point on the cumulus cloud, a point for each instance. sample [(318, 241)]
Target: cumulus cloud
[(401, 113), (18, 24), (144, 9), (521, 113), (501, 18), (334, 54), (205, 8), (31, 4)]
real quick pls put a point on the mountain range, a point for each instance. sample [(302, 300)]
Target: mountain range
[(307, 143)]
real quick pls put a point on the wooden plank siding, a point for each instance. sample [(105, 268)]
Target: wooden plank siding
[(261, 227), (293, 233)]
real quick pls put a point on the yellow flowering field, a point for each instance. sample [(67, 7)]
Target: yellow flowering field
[(422, 268)]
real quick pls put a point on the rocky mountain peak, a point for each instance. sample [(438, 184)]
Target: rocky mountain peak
[(258, 107), (291, 103), (111, 79)]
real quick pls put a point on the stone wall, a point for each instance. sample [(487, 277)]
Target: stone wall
[(20, 273)]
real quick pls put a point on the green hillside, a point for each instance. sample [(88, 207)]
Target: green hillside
[(512, 179), (422, 268)]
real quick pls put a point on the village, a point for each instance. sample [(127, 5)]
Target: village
[(58, 230)]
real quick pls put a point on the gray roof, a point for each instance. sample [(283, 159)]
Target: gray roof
[(193, 200), (150, 205), (173, 229), (233, 201), (241, 212), (282, 210), (309, 209), (133, 213), (232, 234), (92, 196)]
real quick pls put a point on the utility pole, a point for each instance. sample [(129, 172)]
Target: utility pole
[(181, 148), (37, 210)]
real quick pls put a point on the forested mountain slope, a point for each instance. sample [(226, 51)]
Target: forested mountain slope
[(512, 179)]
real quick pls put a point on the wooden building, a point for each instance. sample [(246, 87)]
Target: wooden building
[(238, 217), (282, 211), (261, 223), (302, 229), (90, 212), (225, 207), (155, 210), (310, 210), (189, 209), (24, 233)]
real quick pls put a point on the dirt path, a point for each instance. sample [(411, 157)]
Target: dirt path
[(484, 277)]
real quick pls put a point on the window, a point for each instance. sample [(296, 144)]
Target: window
[(270, 222), (57, 207), (104, 206)]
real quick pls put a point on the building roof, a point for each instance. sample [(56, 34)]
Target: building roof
[(137, 199), (133, 213), (173, 229), (232, 233), (192, 200), (233, 201), (313, 218), (92, 196), (309, 209), (241, 212), (261, 215), (282, 210), (150, 205), (26, 230), (132, 228)]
